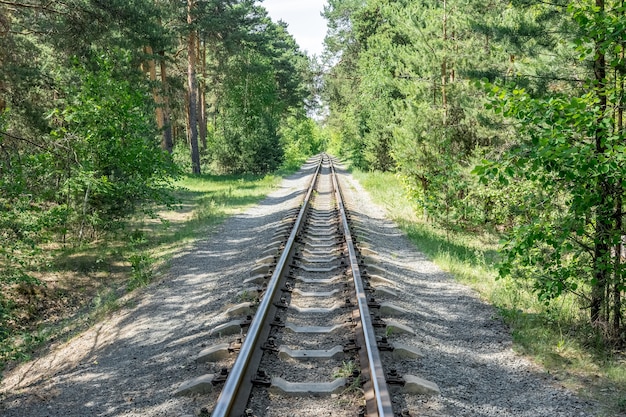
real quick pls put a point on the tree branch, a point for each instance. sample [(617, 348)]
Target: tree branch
[(29, 142), (31, 6)]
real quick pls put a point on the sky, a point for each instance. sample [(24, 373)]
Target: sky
[(304, 20)]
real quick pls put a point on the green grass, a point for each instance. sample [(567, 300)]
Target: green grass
[(209, 199), (556, 336)]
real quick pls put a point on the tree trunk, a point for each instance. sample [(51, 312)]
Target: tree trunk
[(192, 87), (444, 67), (202, 116), (603, 211), (617, 270), (618, 276), (456, 54), (168, 139), (187, 126), (162, 119)]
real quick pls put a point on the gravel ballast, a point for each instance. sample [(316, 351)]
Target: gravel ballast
[(132, 363)]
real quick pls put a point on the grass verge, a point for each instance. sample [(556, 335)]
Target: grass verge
[(555, 336), (81, 285)]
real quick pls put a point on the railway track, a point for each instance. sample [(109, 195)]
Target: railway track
[(315, 328)]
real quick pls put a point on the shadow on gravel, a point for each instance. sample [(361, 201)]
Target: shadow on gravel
[(270, 201)]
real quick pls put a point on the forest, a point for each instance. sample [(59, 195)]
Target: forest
[(502, 116), (498, 117)]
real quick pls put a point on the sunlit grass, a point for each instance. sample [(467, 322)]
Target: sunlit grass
[(204, 202), (212, 198), (556, 336)]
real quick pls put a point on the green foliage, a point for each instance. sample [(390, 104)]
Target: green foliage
[(555, 244), (262, 82), (572, 151), (180, 156), (79, 150), (141, 261), (301, 138), (347, 370), (397, 114), (248, 139), (80, 154), (119, 164)]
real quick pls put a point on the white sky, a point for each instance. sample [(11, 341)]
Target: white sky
[(304, 20)]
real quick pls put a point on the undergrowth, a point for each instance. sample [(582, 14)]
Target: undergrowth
[(81, 285)]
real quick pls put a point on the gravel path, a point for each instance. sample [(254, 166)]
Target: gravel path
[(131, 363)]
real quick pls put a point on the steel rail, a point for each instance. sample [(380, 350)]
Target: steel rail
[(232, 394), (382, 406)]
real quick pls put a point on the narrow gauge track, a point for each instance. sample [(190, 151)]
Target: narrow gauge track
[(312, 334)]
